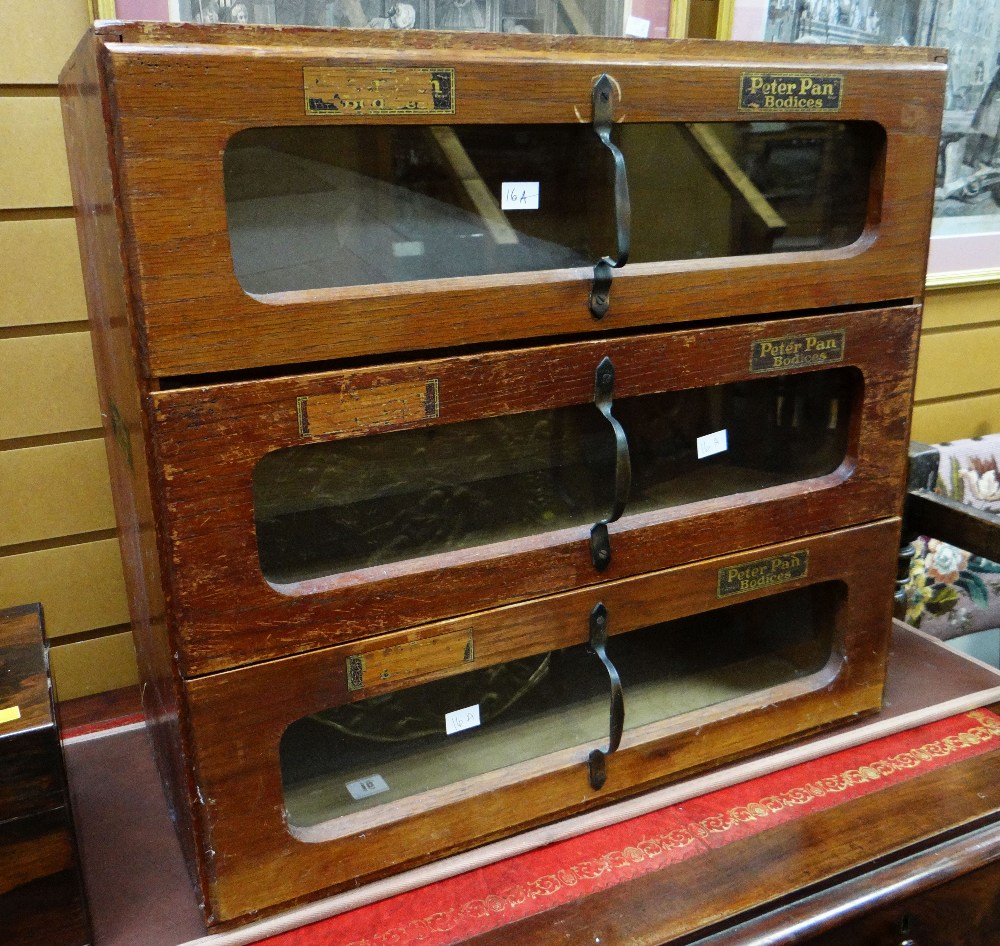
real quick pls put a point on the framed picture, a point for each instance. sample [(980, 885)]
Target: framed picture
[(965, 239), (638, 18)]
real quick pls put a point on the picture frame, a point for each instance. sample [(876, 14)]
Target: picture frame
[(653, 19), (965, 237)]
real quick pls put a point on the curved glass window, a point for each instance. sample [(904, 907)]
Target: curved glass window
[(326, 508), (388, 747), (354, 205)]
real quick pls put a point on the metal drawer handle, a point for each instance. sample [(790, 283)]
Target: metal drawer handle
[(604, 116), (600, 541), (598, 641)]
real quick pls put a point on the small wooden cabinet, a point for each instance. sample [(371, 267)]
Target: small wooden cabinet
[(499, 425), (41, 888)]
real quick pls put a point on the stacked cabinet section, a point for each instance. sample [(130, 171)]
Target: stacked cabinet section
[(489, 449), (344, 503), (367, 757)]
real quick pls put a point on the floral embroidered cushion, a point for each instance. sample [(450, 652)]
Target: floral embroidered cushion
[(950, 592)]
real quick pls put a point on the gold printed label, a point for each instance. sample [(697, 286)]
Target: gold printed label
[(386, 407), (790, 92), (752, 576), (350, 90), (410, 661), (797, 351)]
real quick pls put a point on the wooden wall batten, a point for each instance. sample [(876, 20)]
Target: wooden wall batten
[(40, 273), (81, 585), (958, 375), (38, 37), (32, 168), (49, 386)]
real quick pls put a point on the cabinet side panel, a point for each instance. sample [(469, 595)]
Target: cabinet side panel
[(89, 142)]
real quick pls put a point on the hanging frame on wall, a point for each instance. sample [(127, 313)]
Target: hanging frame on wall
[(965, 239), (656, 19)]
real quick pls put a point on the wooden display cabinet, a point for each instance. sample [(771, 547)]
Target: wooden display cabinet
[(487, 449)]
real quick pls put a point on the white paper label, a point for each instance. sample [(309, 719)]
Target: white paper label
[(711, 444), (10, 715), (366, 787), (637, 26), (408, 248), (519, 195), (458, 720)]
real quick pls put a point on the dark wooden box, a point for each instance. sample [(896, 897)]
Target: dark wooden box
[(41, 890), (247, 395)]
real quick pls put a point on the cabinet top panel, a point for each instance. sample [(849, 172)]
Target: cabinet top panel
[(158, 33), (300, 196)]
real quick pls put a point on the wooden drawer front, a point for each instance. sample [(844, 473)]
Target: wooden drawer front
[(270, 852), (212, 443), (177, 114)]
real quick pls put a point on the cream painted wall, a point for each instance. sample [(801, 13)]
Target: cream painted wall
[(57, 541), (958, 375)]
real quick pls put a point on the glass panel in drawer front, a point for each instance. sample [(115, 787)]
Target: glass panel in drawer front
[(395, 745), (326, 508), (319, 207)]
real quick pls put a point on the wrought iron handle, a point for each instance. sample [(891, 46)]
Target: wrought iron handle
[(604, 116), (598, 640), (600, 541)]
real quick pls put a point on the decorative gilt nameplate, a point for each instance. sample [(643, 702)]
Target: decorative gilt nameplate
[(369, 90), (752, 576), (385, 407), (409, 661), (797, 351), (790, 92)]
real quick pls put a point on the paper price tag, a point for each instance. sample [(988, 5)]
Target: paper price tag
[(403, 248), (10, 714), (637, 26), (519, 195), (711, 444), (460, 719), (367, 786)]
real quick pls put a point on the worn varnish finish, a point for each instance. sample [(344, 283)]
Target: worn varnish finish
[(210, 439), (41, 891), (254, 855), (122, 388), (176, 108), (200, 380)]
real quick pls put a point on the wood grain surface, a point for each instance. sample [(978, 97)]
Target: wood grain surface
[(30, 778), (175, 113), (210, 439), (121, 390), (820, 852), (238, 718), (41, 897), (199, 381)]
